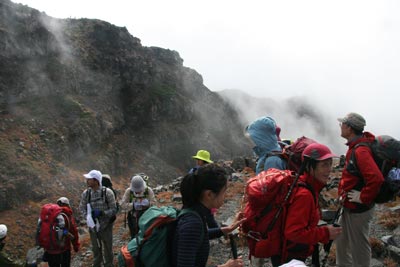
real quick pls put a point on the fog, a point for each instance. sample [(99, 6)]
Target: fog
[(340, 56)]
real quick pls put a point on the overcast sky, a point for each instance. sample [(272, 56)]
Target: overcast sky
[(343, 55)]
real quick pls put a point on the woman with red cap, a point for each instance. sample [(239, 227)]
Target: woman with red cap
[(301, 232)]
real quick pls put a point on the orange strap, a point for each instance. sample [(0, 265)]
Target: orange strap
[(127, 256)]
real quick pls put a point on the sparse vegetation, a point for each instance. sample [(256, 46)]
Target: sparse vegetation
[(163, 90), (377, 246), (389, 219), (388, 262)]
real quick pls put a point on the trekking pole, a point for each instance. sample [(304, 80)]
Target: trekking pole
[(99, 246), (327, 247), (233, 246)]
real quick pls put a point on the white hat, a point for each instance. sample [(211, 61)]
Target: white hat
[(63, 200), (137, 184), (94, 174), (3, 231)]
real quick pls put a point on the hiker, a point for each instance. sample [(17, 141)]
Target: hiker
[(138, 197), (72, 236), (301, 231), (5, 260), (296, 232), (201, 191), (98, 206), (202, 158), (353, 247), (61, 256), (264, 133)]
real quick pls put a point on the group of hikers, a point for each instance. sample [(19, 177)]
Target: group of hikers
[(203, 190), (301, 230)]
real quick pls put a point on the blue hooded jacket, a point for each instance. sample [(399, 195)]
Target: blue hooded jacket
[(263, 133)]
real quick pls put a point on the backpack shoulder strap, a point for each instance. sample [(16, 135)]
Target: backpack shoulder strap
[(88, 195), (66, 220), (352, 166), (104, 195)]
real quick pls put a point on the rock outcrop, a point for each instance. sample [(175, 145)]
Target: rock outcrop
[(80, 94)]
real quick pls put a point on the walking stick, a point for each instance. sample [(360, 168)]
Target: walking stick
[(99, 245), (233, 246)]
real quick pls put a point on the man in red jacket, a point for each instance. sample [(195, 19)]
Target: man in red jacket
[(352, 246), (72, 237)]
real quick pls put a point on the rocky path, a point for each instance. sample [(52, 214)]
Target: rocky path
[(220, 250)]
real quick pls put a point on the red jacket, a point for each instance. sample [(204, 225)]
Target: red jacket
[(372, 176), (73, 229), (301, 230)]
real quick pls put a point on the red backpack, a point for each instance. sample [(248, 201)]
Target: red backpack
[(50, 234), (268, 196), (292, 153)]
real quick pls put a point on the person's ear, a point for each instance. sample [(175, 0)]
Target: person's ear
[(208, 195)]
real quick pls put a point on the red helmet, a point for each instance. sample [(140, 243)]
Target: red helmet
[(317, 152)]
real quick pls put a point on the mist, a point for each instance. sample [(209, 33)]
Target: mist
[(297, 116), (339, 56)]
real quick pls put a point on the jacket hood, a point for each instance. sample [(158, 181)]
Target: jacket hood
[(366, 137), (263, 133)]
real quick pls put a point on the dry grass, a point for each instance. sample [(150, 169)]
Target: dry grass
[(390, 262), (389, 219), (377, 246), (332, 254)]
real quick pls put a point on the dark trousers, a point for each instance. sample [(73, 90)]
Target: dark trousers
[(133, 222), (58, 260)]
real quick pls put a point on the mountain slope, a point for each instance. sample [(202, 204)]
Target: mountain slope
[(80, 94)]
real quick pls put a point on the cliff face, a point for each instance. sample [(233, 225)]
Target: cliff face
[(83, 94)]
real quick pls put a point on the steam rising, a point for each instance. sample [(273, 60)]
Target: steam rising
[(296, 116)]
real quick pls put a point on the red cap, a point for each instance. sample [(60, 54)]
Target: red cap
[(317, 152)]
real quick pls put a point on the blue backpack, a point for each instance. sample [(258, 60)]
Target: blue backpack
[(151, 247)]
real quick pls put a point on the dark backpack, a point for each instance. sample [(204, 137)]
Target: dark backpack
[(50, 232), (151, 247), (268, 196), (386, 152), (292, 153), (106, 181)]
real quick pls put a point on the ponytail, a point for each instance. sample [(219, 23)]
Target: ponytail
[(208, 177)]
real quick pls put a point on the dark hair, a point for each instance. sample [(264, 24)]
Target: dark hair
[(309, 163), (208, 177)]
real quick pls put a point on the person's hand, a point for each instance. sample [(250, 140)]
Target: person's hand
[(65, 232), (97, 213), (354, 196), (233, 263), (334, 231), (76, 248), (239, 219)]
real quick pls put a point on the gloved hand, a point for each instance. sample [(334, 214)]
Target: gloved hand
[(97, 213), (354, 196), (65, 232)]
